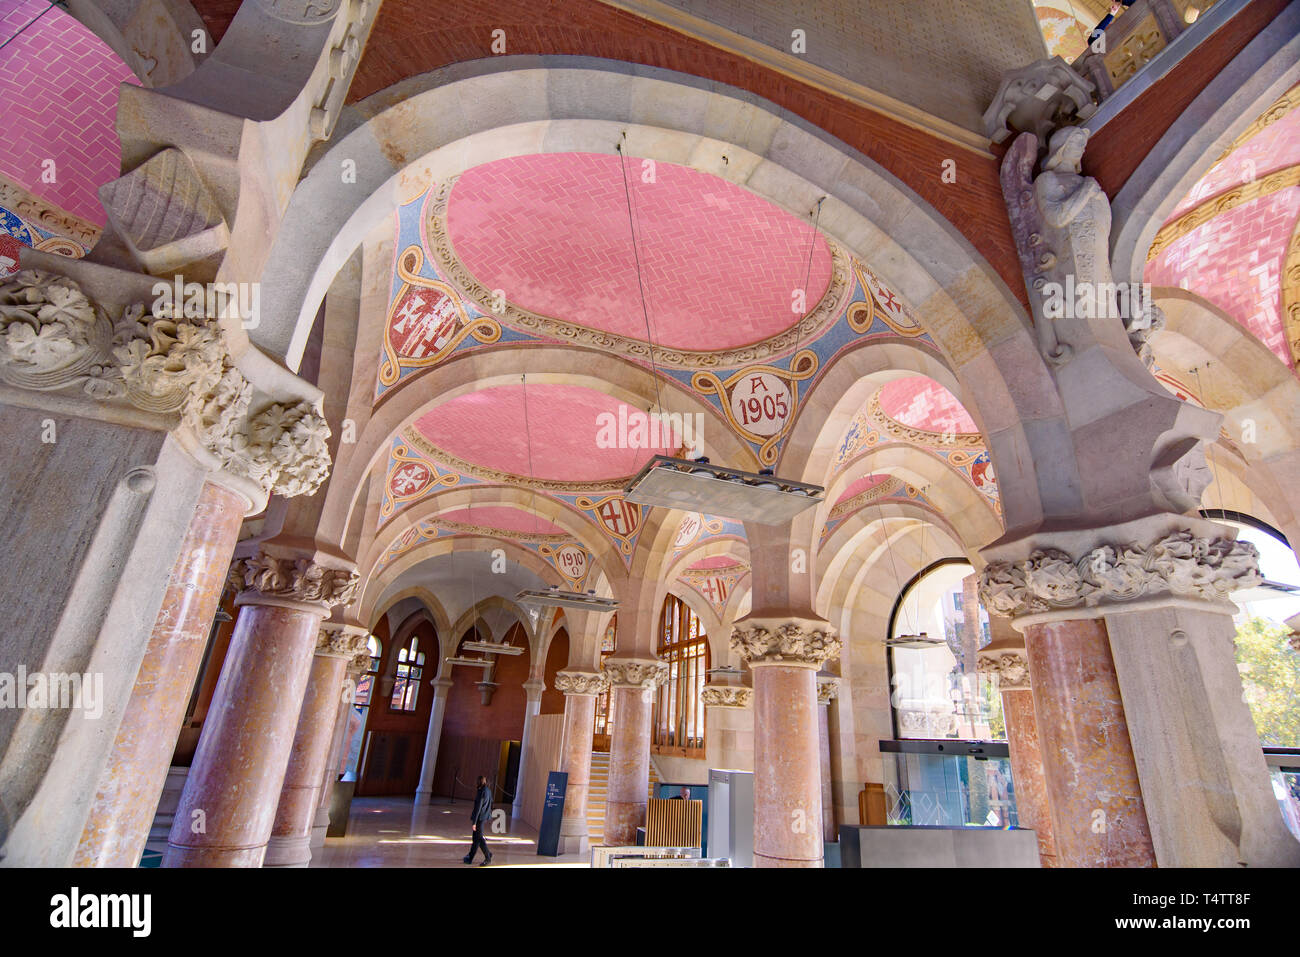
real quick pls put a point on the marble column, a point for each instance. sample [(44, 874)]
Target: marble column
[(1098, 817), (132, 780), (533, 689), (432, 738), (827, 688), (729, 727), (632, 684), (784, 656), (1004, 659), (356, 667), (228, 807), (290, 842), (580, 690)]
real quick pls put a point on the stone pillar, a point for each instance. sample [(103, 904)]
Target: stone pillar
[(441, 688), (132, 780), (1004, 658), (290, 842), (227, 809), (827, 688), (580, 690), (356, 667), (1129, 637), (631, 699), (1098, 816), (533, 689), (784, 656), (729, 724)]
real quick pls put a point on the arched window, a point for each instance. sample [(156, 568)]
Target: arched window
[(679, 712), (937, 630), (406, 687), (604, 719)]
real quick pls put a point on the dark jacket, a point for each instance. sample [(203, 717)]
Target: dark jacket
[(482, 806)]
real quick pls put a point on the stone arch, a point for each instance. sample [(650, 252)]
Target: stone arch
[(483, 369), (437, 613), (1267, 67), (585, 104)]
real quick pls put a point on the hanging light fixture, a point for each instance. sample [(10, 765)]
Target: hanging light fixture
[(695, 484), (553, 596)]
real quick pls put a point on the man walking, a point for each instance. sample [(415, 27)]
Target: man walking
[(478, 819)]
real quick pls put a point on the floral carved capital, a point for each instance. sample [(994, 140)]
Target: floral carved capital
[(1180, 564), (727, 696), (828, 689), (646, 675), (342, 641), (581, 682), (1011, 668), (295, 579), (795, 642), (53, 337)]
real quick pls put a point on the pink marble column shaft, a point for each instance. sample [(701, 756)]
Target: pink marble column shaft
[(290, 842), (132, 780), (1033, 808), (787, 768), (228, 806), (575, 760), (1098, 816), (824, 765), (629, 763)]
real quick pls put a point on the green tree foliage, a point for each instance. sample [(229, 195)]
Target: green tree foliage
[(1270, 678)]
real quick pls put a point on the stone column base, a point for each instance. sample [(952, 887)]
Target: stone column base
[(294, 851), (574, 844), (319, 826)]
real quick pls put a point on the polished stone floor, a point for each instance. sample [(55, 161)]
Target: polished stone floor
[(395, 832)]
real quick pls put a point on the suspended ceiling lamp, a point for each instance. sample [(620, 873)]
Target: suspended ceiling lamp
[(586, 601), (695, 484), (919, 642), (492, 647), (462, 660)]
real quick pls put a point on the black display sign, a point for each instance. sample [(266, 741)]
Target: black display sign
[(548, 836)]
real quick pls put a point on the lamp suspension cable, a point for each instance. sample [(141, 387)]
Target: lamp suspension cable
[(816, 216), (636, 259)]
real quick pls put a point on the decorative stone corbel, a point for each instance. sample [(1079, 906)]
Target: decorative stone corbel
[(727, 696), (828, 689), (1009, 665), (581, 682), (786, 641), (292, 581), (339, 640), (1038, 99), (173, 370)]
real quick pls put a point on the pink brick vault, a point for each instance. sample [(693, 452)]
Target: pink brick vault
[(719, 264), (1235, 261), (58, 100)]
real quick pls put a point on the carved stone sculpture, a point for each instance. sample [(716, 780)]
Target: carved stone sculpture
[(1010, 667), (295, 579), (727, 696), (647, 675), (1180, 564), (581, 682), (795, 641), (342, 641)]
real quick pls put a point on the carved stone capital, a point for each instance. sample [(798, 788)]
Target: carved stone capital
[(581, 682), (1179, 564), (338, 640), (790, 641), (727, 696), (636, 673), (1011, 667), (293, 580), (828, 689), (52, 337)]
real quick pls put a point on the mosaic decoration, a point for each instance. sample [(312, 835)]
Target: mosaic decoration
[(760, 400), (879, 303), (410, 476), (716, 584), (23, 232), (570, 559), (966, 453), (621, 521), (426, 321), (696, 529), (893, 489)]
